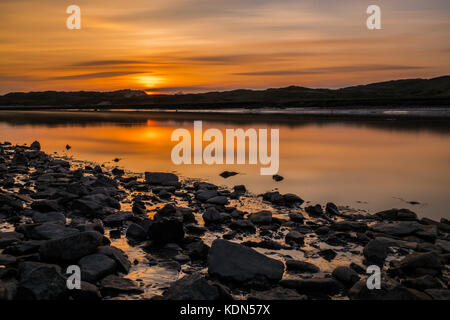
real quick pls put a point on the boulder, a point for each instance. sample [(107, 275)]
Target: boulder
[(120, 257), (71, 248), (345, 275), (295, 238), (161, 178), (113, 285), (166, 230), (49, 217), (261, 217), (375, 252), (136, 233), (39, 281), (218, 200), (87, 292), (301, 266), (96, 266), (192, 287), (397, 229), (235, 262), (212, 215), (49, 231)]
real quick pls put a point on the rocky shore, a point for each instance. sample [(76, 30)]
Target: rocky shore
[(156, 236)]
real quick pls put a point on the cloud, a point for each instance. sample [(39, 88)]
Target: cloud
[(96, 75), (95, 63), (335, 69)]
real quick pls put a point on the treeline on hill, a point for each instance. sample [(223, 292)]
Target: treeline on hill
[(411, 92)]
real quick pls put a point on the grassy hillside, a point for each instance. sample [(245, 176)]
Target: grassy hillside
[(411, 92)]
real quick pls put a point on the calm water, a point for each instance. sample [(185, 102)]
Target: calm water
[(366, 164)]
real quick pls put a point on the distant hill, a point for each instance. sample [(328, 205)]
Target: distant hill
[(409, 92)]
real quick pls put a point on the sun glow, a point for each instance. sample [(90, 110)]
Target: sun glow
[(149, 82)]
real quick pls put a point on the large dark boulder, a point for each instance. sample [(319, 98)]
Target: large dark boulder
[(235, 262), (166, 230), (71, 248), (161, 178), (120, 257), (96, 266), (40, 281)]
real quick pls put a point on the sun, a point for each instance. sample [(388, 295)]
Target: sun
[(149, 81)]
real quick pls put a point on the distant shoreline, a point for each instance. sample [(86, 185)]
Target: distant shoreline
[(441, 112)]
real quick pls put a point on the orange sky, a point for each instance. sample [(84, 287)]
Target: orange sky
[(203, 45)]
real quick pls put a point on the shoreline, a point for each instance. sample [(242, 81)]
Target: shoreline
[(417, 112), (134, 236)]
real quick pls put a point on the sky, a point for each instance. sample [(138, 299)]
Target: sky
[(170, 46)]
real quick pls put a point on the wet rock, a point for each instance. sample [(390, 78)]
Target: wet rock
[(397, 214), (328, 254), (212, 216), (49, 231), (332, 209), (6, 260), (96, 266), (9, 238), (390, 290), (277, 293), (120, 257), (136, 233), (314, 210), (261, 217), (322, 230), (277, 178), (23, 248), (118, 172), (195, 229), (36, 146), (422, 283), (40, 281), (113, 285), (444, 245), (296, 217), (345, 226), (398, 229), (375, 252), (87, 292), (117, 219), (11, 203), (301, 266), (161, 178), (235, 262), (71, 248), (345, 275), (219, 200), (320, 286), (197, 250), (240, 189), (243, 226), (227, 174), (419, 263), (192, 287), (291, 199), (46, 206), (166, 231), (55, 217), (294, 238), (204, 195)]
